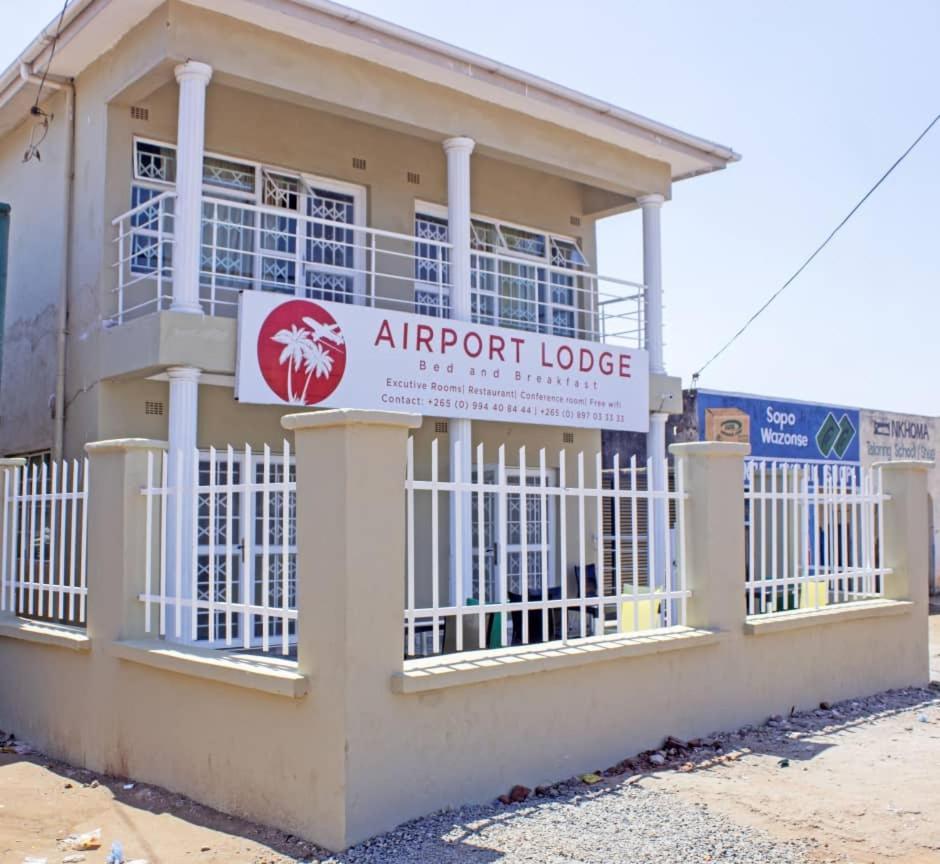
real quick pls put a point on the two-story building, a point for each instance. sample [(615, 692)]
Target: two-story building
[(193, 159)]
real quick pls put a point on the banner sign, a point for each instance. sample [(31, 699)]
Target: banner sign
[(777, 429), (889, 437), (336, 355)]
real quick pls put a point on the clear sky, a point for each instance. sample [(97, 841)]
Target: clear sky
[(819, 98)]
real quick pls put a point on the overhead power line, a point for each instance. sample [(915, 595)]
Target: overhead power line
[(818, 249), (41, 129)]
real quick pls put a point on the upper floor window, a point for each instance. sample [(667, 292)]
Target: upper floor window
[(262, 228), (519, 277)]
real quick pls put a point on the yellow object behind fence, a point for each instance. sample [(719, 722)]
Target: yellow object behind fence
[(814, 594), (647, 615)]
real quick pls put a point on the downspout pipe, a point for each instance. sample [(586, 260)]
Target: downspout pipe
[(4, 255), (58, 430)]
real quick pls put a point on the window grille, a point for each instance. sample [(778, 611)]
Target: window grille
[(432, 268), (154, 162), (525, 291), (244, 247), (229, 176)]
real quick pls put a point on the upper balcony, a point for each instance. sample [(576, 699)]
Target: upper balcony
[(307, 239)]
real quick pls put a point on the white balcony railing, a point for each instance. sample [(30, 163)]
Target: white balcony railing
[(255, 247)]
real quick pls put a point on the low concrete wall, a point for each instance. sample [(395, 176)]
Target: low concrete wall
[(352, 741)]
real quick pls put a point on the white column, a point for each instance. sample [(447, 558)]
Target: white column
[(458, 152), (193, 79), (656, 437), (183, 417), (653, 279)]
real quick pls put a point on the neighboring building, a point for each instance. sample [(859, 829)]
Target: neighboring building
[(794, 431), (198, 170)]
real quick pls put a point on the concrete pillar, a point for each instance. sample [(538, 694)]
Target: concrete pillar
[(905, 544), (458, 152), (117, 520), (193, 78), (713, 474), (350, 589), (181, 465), (905, 552), (117, 550)]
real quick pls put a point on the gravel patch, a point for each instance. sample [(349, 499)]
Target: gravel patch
[(621, 823), (613, 819)]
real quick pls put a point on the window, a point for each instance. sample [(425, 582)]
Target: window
[(432, 270), (244, 244), (151, 248), (331, 270), (154, 162), (516, 276), (540, 531)]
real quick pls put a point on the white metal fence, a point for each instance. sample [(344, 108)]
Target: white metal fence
[(813, 535), (259, 247), (45, 526), (543, 556), (222, 565)]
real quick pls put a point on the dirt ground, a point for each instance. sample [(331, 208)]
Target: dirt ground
[(865, 789), (862, 780)]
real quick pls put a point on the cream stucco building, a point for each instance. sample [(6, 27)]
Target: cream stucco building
[(311, 109), (191, 151), (202, 159)]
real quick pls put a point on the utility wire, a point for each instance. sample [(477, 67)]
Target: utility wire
[(42, 128), (55, 41), (818, 249)]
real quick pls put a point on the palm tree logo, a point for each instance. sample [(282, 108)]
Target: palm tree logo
[(302, 352)]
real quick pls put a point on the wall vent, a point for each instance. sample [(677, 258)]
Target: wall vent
[(139, 113), (359, 164), (154, 409), (414, 178), (567, 437), (576, 221), (440, 427)]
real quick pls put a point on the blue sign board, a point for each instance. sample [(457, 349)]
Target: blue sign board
[(778, 429)]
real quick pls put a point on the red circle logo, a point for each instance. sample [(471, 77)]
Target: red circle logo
[(301, 352)]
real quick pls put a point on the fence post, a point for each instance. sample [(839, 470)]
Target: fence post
[(117, 471), (350, 583), (713, 473), (905, 551)]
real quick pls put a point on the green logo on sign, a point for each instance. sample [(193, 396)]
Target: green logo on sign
[(835, 436)]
